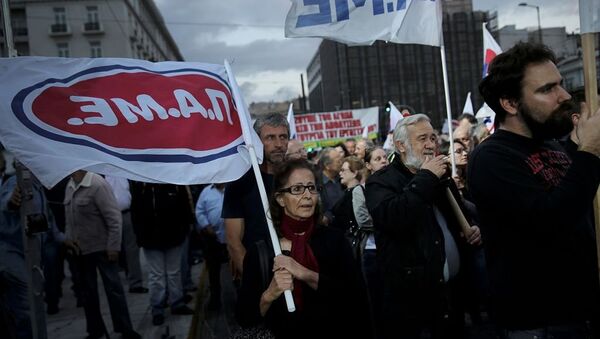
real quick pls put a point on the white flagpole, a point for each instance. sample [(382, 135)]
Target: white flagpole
[(259, 181), (10, 47), (448, 108)]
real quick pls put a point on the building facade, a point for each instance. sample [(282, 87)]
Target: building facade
[(342, 77), (556, 38), (91, 28)]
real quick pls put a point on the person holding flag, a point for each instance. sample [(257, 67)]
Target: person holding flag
[(533, 200), (419, 246), (245, 221)]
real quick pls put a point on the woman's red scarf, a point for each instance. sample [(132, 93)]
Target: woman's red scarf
[(299, 232)]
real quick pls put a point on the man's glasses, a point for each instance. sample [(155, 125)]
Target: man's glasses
[(300, 189)]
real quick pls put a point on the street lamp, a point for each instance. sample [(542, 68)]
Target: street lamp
[(524, 4)]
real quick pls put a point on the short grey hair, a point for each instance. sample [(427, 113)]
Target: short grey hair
[(325, 159), (401, 130), (271, 119), (367, 141)]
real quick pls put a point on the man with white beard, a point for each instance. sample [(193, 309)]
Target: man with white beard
[(419, 246)]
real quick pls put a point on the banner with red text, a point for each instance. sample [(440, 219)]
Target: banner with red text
[(172, 122), (328, 128)]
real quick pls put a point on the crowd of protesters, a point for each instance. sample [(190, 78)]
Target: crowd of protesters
[(373, 245)]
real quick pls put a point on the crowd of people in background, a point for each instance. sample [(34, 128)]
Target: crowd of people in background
[(373, 246)]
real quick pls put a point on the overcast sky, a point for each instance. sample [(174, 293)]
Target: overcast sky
[(267, 65)]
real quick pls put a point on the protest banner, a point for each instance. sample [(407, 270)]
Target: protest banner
[(328, 128), (158, 122)]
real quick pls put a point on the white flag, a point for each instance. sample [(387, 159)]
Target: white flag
[(490, 50), (365, 132), (589, 16), (395, 116), (486, 115), (468, 108), (291, 121), (361, 22), (169, 122)]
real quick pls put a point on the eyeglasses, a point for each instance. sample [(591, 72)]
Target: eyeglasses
[(300, 189)]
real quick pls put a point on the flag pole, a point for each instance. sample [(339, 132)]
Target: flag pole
[(460, 216), (259, 181), (10, 47), (591, 97), (448, 108)]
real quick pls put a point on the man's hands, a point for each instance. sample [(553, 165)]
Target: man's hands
[(474, 237), (15, 199), (588, 131), (72, 247), (112, 255), (437, 165)]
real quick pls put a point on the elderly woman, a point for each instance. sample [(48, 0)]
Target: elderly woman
[(317, 265)]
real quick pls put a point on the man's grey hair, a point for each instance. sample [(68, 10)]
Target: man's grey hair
[(271, 119), (368, 142), (325, 159), (401, 130)]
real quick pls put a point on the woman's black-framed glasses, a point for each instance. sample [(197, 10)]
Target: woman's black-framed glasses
[(300, 189)]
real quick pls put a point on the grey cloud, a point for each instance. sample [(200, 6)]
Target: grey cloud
[(248, 88), (258, 56), (199, 42), (286, 93)]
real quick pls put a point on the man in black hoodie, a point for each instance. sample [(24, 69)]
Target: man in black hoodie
[(161, 216), (534, 200)]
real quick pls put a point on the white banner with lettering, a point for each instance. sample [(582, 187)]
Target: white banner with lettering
[(361, 22), (171, 122), (328, 128)]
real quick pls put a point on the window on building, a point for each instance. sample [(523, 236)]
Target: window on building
[(93, 20), (60, 20), (60, 15), (92, 14), (95, 49), (63, 49)]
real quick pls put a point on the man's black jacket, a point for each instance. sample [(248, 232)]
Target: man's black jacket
[(410, 243)]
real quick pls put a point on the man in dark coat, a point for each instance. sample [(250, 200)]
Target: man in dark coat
[(161, 216), (419, 245)]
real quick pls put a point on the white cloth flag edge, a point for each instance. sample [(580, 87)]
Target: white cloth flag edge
[(416, 28), (291, 121), (45, 152), (589, 16), (395, 116), (468, 108)]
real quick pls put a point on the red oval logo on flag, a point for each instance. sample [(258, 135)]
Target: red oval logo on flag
[(126, 109)]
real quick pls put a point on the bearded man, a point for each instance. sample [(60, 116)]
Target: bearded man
[(533, 200), (419, 246)]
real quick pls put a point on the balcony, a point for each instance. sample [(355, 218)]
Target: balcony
[(20, 31), (93, 28), (60, 30)]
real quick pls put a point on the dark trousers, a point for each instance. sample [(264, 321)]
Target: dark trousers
[(374, 282), (215, 255), (109, 271), (435, 318), (52, 273), (14, 302), (575, 331)]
